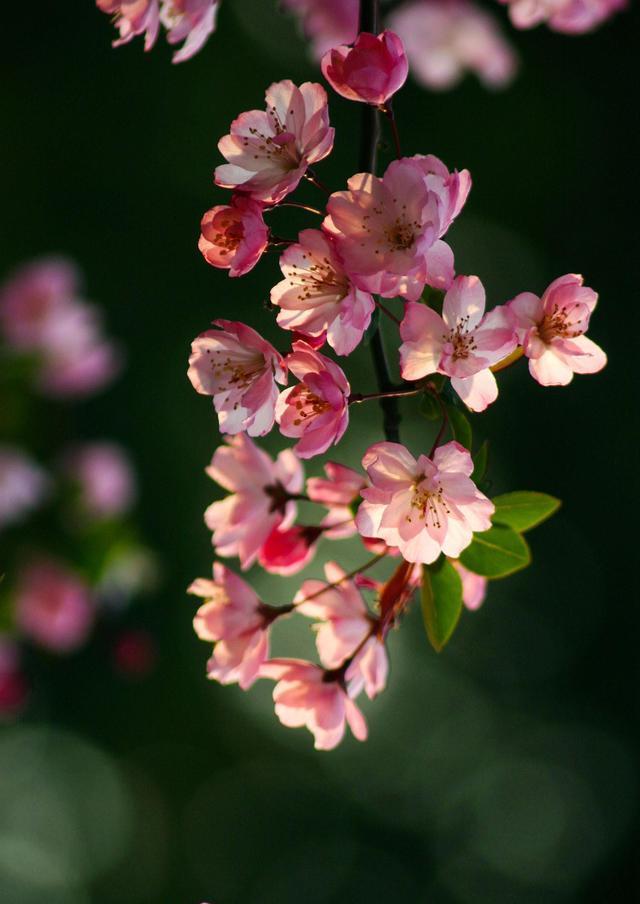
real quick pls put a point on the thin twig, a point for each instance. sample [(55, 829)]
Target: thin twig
[(357, 397), (310, 176), (386, 311), (387, 109)]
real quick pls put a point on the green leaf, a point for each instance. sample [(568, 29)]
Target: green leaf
[(496, 553), (441, 601), (460, 426), (523, 510), (480, 460), (373, 327), (429, 407)]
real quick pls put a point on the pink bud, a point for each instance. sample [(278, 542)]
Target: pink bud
[(371, 71)]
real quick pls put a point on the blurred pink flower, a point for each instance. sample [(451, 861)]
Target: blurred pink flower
[(307, 695), (104, 477), (236, 366), (14, 690), (370, 71), (234, 236), (32, 296), (551, 331), (237, 622), (53, 606), (260, 499), (444, 39), (23, 485), (347, 628), (290, 550), (326, 23), (341, 487), (384, 228), (317, 408), (462, 344), (132, 18), (568, 16), (191, 21), (423, 507), (474, 586), (317, 297), (268, 152)]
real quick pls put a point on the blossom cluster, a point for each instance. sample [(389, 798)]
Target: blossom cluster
[(69, 558), (381, 238)]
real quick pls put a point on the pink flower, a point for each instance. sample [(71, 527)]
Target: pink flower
[(462, 344), (237, 622), (326, 23), (317, 409), (260, 499), (288, 551), (234, 237), (23, 485), (104, 477), (53, 607), (444, 39), (385, 227), (236, 366), (191, 21), (347, 628), (269, 152), (132, 18), (13, 686), (551, 331), (568, 16), (371, 71), (309, 696), (32, 296), (341, 487), (423, 507), (317, 297), (474, 586)]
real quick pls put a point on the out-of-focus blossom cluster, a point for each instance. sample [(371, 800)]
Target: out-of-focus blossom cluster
[(188, 21), (572, 17), (65, 528), (378, 242)]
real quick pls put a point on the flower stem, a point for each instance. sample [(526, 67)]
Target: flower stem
[(347, 577), (386, 311), (357, 397), (370, 136), (310, 176), (388, 111), (306, 207), (443, 425)]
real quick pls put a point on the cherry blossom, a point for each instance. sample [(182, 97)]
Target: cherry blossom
[(568, 16), (326, 23), (239, 368), (235, 620), (260, 499), (341, 487), (551, 331), (370, 71), (132, 18), (423, 507), (23, 485), (317, 408), (347, 628), (288, 551), (444, 39), (53, 607), (103, 476), (316, 296), (462, 344), (474, 586), (191, 21), (32, 296), (309, 696), (268, 152), (234, 236)]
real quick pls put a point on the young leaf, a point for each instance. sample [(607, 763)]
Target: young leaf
[(523, 510), (441, 601), (460, 426), (496, 553), (429, 407), (480, 459)]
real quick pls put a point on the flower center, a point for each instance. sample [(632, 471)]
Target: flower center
[(307, 404), (230, 233), (556, 325), (320, 278), (400, 235), (460, 342), (234, 373), (428, 502)]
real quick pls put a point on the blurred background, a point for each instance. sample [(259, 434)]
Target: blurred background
[(502, 770)]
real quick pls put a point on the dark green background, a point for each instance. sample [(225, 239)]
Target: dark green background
[(500, 771)]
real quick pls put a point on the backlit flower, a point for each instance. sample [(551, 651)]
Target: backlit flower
[(260, 499), (423, 507), (371, 70), (234, 236), (239, 368), (317, 409), (462, 344), (474, 586), (316, 296), (551, 331), (341, 486), (268, 152), (191, 21), (568, 16), (132, 18), (311, 697)]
